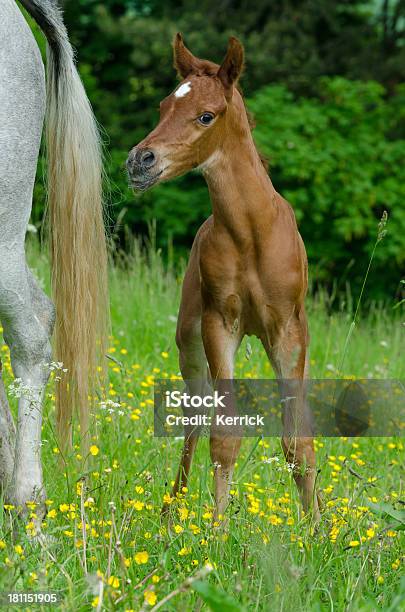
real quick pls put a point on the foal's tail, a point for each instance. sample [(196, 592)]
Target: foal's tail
[(78, 243)]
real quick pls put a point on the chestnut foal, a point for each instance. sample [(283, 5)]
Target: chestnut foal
[(247, 272)]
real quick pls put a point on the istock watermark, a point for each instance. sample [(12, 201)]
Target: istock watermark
[(175, 399), (315, 407), (184, 400)]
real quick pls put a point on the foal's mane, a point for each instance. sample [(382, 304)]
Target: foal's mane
[(252, 125)]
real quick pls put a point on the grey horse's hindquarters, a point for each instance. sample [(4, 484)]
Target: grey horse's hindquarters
[(22, 106)]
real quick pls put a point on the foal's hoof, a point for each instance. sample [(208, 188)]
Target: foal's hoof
[(166, 516), (314, 518), (165, 511), (221, 523), (316, 522)]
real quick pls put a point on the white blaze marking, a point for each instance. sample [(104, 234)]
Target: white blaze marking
[(183, 90)]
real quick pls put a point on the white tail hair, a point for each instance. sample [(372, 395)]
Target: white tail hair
[(77, 235)]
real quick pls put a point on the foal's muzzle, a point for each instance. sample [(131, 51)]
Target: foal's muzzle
[(141, 168)]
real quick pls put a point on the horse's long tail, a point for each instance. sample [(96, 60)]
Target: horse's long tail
[(78, 243)]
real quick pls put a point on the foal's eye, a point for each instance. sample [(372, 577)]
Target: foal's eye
[(205, 118)]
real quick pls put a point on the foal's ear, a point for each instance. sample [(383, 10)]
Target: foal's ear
[(184, 61), (232, 65)]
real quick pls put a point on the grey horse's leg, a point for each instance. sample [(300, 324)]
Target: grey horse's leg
[(31, 354), (22, 105), (7, 436), (45, 312), (42, 304)]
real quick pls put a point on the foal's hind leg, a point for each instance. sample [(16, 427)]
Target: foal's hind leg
[(289, 357)]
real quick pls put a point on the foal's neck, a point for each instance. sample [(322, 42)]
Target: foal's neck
[(242, 194)]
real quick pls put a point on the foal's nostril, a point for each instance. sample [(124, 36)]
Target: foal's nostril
[(130, 160), (140, 160), (148, 159)]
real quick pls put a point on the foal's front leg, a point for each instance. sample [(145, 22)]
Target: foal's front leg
[(221, 344)]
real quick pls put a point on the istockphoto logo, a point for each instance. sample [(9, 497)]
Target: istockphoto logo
[(206, 410), (353, 408), (177, 399)]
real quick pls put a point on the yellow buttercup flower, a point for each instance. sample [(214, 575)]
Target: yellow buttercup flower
[(141, 557), (183, 513), (114, 582), (150, 597)]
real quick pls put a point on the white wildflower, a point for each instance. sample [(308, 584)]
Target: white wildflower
[(109, 405), (17, 389), (271, 460)]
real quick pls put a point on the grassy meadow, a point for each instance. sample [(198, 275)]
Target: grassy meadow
[(106, 547)]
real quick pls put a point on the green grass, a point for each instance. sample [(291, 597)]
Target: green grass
[(269, 559)]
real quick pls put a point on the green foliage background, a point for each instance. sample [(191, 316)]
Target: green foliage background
[(324, 80)]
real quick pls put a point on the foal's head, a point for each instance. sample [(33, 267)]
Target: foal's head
[(194, 119)]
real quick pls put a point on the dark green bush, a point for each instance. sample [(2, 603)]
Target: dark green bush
[(339, 159)]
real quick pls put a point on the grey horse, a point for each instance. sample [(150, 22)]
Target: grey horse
[(78, 247)]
